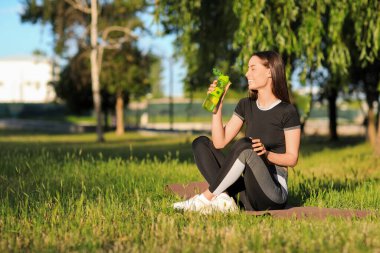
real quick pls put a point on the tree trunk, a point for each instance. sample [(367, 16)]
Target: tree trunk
[(105, 113), (377, 142), (307, 113), (371, 98), (119, 114), (171, 109), (371, 128), (95, 70), (333, 114)]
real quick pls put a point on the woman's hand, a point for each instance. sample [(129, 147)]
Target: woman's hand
[(259, 147), (212, 86)]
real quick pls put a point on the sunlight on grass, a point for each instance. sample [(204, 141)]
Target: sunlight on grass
[(68, 193)]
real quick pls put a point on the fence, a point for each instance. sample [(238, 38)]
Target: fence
[(191, 115), (187, 115), (31, 110)]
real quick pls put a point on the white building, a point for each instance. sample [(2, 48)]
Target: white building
[(25, 80)]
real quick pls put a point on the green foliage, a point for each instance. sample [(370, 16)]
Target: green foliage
[(125, 70), (74, 84), (204, 30), (61, 16), (311, 35), (365, 16), (68, 23), (363, 36), (128, 70), (338, 56), (303, 105), (264, 25), (66, 193)]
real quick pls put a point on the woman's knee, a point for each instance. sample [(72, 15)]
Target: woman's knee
[(200, 141)]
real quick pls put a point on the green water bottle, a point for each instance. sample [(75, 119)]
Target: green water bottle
[(212, 100)]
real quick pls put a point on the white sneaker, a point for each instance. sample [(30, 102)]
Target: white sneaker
[(224, 203), (198, 203)]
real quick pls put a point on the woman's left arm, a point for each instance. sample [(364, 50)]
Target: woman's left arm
[(292, 144)]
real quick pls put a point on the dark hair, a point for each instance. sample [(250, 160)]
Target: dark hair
[(273, 61)]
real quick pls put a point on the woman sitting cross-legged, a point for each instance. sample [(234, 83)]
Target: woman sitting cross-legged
[(254, 173)]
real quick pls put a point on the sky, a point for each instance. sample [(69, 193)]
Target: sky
[(21, 39)]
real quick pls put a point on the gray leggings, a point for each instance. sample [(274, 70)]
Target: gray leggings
[(247, 177)]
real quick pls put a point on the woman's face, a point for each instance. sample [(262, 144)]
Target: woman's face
[(257, 74)]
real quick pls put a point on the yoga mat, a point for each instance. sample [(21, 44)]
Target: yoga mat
[(190, 189)]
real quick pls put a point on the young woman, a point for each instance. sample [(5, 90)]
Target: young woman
[(255, 171)]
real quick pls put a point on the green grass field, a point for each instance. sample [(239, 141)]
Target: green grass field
[(68, 193)]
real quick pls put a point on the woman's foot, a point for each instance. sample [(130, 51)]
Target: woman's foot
[(198, 203), (224, 203)]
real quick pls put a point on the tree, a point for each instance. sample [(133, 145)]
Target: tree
[(209, 30), (204, 30), (306, 33), (363, 37), (312, 35), (336, 58), (367, 79), (127, 72), (110, 27), (74, 84)]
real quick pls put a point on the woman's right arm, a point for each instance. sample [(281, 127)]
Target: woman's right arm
[(222, 135)]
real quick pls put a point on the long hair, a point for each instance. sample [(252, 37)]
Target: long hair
[(273, 61)]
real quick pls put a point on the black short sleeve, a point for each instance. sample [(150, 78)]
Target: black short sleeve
[(291, 119), (240, 109)]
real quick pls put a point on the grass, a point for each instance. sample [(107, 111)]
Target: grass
[(68, 193)]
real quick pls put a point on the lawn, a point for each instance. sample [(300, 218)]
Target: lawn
[(68, 193)]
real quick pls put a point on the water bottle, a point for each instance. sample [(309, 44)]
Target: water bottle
[(212, 100)]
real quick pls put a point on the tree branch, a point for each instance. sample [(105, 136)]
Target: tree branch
[(79, 5), (116, 43), (113, 43), (127, 32)]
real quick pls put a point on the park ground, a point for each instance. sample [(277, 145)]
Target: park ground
[(68, 193)]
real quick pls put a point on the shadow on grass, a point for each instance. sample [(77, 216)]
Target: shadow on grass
[(129, 146), (313, 188), (313, 144), (141, 147)]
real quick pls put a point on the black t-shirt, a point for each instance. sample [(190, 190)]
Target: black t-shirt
[(268, 125)]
